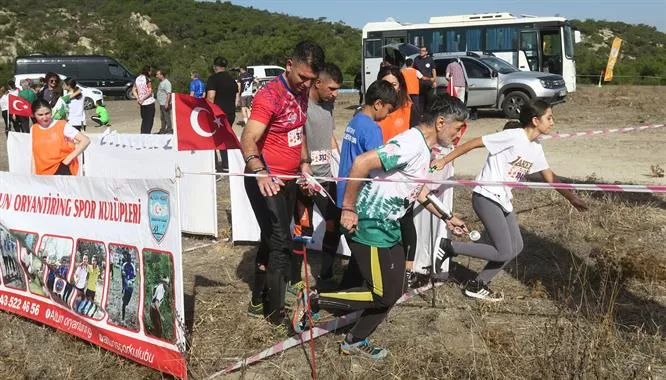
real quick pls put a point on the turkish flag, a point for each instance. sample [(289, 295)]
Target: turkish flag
[(19, 106), (202, 125)]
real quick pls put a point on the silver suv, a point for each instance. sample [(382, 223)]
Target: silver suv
[(494, 83)]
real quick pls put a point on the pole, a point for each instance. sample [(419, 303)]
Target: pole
[(601, 76)]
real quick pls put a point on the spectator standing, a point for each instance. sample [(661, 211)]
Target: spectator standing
[(412, 77), (76, 115), (52, 90), (143, 92), (426, 66), (358, 84), (164, 101), (4, 106), (222, 89), (29, 95), (197, 86), (246, 84), (455, 75), (272, 143)]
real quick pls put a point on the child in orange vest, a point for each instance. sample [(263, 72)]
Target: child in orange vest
[(56, 144)]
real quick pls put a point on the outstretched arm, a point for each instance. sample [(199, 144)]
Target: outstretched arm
[(550, 177), (457, 152), (435, 206)]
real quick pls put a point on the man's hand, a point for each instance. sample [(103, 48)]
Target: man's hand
[(455, 222), (269, 186), (349, 219), (579, 204), (437, 164)]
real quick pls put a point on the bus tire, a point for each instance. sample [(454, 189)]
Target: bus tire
[(512, 103)]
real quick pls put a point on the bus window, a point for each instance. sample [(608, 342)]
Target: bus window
[(552, 51), (455, 40), (373, 49), (420, 38), (529, 44), (473, 37), (501, 38), (568, 41)]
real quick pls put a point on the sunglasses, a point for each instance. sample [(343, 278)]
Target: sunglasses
[(53, 81)]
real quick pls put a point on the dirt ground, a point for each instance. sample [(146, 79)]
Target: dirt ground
[(585, 299)]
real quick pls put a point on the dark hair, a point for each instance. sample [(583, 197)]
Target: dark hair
[(40, 103), (146, 71), (220, 62), (403, 96), (533, 108), (381, 90), (195, 74), (10, 85), (163, 71), (409, 62), (71, 82), (332, 71), (512, 124), (447, 106), (51, 74), (99, 102), (309, 53)]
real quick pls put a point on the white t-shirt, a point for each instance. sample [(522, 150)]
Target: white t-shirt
[(142, 90), (70, 132), (81, 276), (158, 294), (76, 114), (380, 205), (512, 157), (4, 102)]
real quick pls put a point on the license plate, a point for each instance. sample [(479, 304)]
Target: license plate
[(562, 92)]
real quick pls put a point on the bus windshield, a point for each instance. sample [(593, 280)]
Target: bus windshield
[(568, 41), (500, 65)]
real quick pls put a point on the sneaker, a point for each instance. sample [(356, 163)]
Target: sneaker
[(410, 279), (296, 288), (444, 251), (299, 319), (363, 348), (479, 290), (285, 328), (256, 311)]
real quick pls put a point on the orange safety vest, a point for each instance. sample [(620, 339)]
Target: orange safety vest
[(396, 122), (50, 147), (411, 80)]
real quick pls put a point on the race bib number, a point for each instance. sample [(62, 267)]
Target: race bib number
[(294, 137), (320, 157)]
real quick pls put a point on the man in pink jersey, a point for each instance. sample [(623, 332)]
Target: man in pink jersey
[(273, 143)]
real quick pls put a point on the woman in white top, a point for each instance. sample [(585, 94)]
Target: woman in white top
[(513, 153), (4, 107), (143, 92), (75, 106)]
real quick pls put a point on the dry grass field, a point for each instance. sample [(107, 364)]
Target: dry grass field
[(585, 299)]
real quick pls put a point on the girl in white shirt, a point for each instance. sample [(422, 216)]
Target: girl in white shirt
[(513, 154), (76, 111)]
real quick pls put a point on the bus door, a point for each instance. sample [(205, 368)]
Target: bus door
[(372, 60), (551, 50), (529, 46)]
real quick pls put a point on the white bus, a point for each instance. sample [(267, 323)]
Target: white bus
[(530, 43)]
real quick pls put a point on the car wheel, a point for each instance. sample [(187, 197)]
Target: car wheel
[(128, 94), (513, 101), (88, 103)]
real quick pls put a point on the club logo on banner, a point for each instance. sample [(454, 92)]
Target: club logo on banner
[(98, 258), (202, 125), (158, 213)]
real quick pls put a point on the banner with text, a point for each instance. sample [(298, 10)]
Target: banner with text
[(97, 258)]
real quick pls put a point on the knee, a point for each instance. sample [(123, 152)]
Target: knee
[(389, 297)]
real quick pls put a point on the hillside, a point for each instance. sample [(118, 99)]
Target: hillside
[(180, 35), (184, 35)]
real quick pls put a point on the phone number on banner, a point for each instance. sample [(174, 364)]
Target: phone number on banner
[(20, 304)]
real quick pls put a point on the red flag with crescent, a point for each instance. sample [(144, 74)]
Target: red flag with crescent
[(19, 106), (202, 125)]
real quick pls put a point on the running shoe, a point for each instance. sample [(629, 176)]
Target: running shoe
[(363, 348), (300, 320), (444, 251), (296, 288), (256, 311), (479, 290), (411, 279)]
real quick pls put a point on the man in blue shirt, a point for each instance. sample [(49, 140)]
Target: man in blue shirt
[(197, 86), (363, 133)]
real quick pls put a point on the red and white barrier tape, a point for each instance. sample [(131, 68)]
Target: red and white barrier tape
[(599, 132), (317, 331), (607, 187)]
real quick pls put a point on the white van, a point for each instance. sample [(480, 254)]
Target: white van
[(90, 95)]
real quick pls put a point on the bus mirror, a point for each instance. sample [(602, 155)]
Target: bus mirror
[(577, 37)]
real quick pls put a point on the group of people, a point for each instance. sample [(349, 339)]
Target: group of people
[(290, 132)]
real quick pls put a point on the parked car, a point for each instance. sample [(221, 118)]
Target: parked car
[(96, 71), (263, 72), (494, 83), (90, 95)]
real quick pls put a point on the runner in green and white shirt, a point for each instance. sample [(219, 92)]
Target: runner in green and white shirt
[(370, 213)]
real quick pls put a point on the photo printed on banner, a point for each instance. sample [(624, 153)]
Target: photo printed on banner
[(54, 253), (122, 302), (88, 278), (159, 303), (12, 272)]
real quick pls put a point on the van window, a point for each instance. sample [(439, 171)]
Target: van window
[(90, 70), (116, 71), (475, 69), (440, 66), (273, 72), (250, 70)]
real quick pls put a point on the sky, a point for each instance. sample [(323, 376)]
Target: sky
[(359, 12)]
